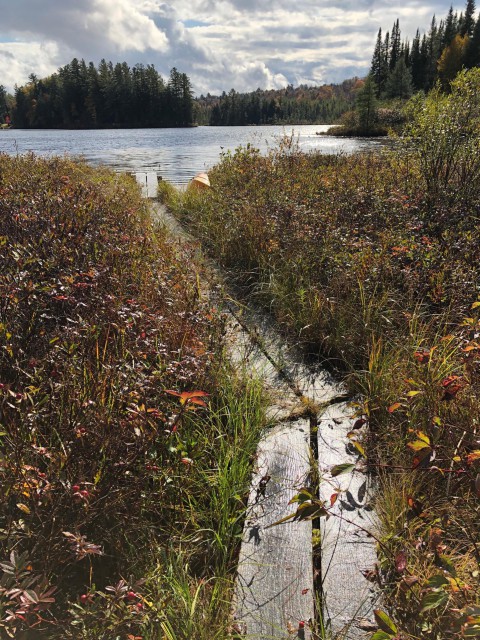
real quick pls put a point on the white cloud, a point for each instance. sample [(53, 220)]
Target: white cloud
[(122, 25), (220, 44), (19, 59)]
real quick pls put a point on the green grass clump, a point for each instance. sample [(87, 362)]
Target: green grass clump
[(372, 265), (118, 499)]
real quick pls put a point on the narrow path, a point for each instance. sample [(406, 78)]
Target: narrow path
[(279, 589), (277, 577)]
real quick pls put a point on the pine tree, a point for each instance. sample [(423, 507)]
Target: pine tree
[(416, 63), (468, 23), (385, 64), (425, 62), (434, 40), (405, 53), (186, 101), (395, 44), (22, 105), (472, 54), (105, 88), (399, 84), (367, 105), (451, 27), (92, 101), (377, 67)]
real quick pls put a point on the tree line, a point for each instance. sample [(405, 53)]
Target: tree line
[(81, 95), (301, 105), (400, 68)]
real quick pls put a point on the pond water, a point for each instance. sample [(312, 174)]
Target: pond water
[(175, 154)]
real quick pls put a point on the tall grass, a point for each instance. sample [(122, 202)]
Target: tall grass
[(352, 260), (115, 494)]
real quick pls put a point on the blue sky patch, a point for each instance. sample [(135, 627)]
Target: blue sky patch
[(194, 23)]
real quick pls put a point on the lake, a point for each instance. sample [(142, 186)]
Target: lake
[(175, 154)]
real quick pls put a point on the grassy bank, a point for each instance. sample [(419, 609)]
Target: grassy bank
[(125, 441), (371, 262)]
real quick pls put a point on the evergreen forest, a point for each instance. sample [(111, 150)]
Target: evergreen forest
[(81, 95), (400, 68), (300, 105)]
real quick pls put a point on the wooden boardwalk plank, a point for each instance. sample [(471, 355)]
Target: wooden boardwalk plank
[(141, 178), (148, 182), (152, 184), (347, 548), (247, 354), (274, 589), (315, 383)]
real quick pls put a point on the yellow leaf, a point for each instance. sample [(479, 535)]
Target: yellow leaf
[(454, 585), (418, 445), (359, 448), (23, 507), (423, 436)]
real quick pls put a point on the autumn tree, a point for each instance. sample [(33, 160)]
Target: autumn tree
[(452, 59)]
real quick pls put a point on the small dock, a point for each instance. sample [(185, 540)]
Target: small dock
[(148, 181)]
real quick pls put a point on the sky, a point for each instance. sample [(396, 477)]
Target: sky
[(219, 44)]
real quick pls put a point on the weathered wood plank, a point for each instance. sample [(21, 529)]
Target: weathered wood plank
[(141, 178), (152, 184), (347, 548), (148, 182), (247, 354), (274, 591), (315, 383)]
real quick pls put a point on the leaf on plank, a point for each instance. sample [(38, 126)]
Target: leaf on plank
[(338, 469)]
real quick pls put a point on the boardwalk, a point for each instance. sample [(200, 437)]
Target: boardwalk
[(148, 182), (277, 595)]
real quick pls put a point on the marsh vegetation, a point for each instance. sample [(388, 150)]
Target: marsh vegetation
[(371, 263), (125, 438)]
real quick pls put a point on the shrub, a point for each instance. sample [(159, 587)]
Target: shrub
[(347, 254), (100, 315), (444, 138)]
